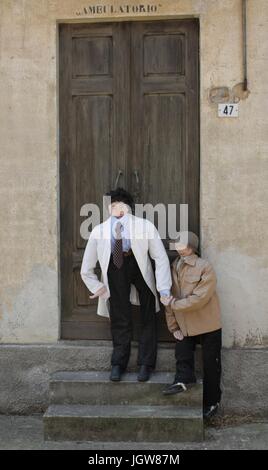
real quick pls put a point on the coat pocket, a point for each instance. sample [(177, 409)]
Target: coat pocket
[(190, 281)]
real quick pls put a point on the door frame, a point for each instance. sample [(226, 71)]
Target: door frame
[(58, 125)]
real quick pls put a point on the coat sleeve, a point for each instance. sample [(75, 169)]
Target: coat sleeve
[(201, 294), (89, 262), (158, 253), (171, 320)]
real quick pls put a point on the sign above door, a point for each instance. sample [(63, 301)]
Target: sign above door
[(117, 9)]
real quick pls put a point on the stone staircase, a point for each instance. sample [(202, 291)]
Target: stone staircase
[(87, 406)]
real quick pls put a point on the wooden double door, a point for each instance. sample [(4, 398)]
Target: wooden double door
[(129, 116)]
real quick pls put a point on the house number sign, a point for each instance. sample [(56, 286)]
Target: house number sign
[(228, 110)]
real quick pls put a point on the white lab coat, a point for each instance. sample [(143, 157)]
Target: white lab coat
[(145, 240)]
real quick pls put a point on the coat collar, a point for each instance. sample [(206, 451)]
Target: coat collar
[(127, 220), (191, 260)]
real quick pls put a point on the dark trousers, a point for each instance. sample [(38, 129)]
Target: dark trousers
[(120, 281), (185, 369)]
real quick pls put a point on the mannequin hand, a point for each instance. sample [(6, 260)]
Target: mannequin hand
[(178, 335), (102, 292), (166, 300)]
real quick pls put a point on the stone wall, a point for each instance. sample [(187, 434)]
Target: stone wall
[(234, 160)]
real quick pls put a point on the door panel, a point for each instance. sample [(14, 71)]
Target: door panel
[(165, 126), (93, 145), (165, 148), (128, 102)]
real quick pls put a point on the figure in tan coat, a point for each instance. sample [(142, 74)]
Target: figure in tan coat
[(193, 316)]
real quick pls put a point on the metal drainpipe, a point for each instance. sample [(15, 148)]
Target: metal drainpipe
[(244, 29)]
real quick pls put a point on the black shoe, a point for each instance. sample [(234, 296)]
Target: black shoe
[(144, 373), (210, 411), (116, 373), (175, 388)]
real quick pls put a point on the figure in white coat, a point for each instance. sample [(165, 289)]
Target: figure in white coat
[(122, 245)]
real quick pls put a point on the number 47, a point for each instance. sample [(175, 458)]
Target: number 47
[(228, 110)]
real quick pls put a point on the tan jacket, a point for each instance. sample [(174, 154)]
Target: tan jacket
[(195, 309)]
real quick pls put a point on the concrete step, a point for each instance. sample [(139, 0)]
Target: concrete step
[(123, 423), (95, 388)]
